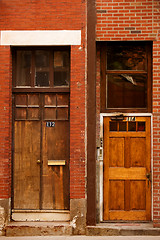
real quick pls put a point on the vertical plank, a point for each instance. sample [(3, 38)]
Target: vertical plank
[(55, 184), (127, 164), (26, 170)]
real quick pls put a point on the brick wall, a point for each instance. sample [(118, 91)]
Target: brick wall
[(5, 122), (45, 15), (139, 20)]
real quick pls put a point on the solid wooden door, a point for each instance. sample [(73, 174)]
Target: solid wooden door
[(127, 169), (41, 151)]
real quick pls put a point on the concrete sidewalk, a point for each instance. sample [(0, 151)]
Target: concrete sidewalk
[(83, 238)]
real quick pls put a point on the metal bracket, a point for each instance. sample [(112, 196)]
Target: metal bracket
[(119, 117)]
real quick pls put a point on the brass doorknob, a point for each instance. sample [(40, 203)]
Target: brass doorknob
[(148, 176), (38, 161)]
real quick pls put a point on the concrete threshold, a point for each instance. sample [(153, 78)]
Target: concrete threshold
[(38, 229), (122, 229), (65, 229)]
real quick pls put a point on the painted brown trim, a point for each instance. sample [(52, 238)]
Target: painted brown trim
[(91, 113), (42, 89)]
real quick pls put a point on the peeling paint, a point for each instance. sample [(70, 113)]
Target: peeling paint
[(73, 222)]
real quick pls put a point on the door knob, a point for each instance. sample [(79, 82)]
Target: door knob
[(148, 176), (38, 161)]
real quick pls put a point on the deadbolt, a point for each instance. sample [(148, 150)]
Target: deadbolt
[(38, 161)]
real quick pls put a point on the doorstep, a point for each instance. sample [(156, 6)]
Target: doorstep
[(40, 215), (38, 229), (122, 229)]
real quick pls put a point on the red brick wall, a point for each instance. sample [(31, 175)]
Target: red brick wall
[(125, 20), (5, 122), (46, 15)]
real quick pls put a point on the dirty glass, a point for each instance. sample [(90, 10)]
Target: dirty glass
[(61, 68), (23, 68), (126, 57), (126, 90), (41, 68)]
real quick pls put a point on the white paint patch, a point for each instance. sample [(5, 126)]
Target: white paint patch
[(41, 38), (73, 222)]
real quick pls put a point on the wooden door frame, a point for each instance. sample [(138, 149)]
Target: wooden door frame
[(100, 156)]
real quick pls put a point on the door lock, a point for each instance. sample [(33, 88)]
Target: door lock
[(38, 161), (148, 176)]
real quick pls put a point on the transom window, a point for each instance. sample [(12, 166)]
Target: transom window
[(126, 76), (41, 68)]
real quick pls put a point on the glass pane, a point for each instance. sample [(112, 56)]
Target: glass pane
[(141, 126), (122, 126), (42, 68), (61, 59), (61, 79), (126, 91), (113, 126), (61, 68), (23, 68), (132, 126), (126, 57)]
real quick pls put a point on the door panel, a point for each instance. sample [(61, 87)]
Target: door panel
[(116, 145), (127, 154), (55, 185), (26, 170)]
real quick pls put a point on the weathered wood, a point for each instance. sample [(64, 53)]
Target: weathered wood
[(26, 170), (35, 144), (55, 186)]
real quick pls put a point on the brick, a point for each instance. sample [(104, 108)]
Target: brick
[(140, 21)]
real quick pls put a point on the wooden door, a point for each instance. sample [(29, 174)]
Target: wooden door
[(127, 169), (41, 151)]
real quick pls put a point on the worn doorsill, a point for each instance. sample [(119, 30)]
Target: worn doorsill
[(40, 215)]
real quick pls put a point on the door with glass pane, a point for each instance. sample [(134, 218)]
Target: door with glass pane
[(127, 168), (41, 129)]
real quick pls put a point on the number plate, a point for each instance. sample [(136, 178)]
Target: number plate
[(50, 124), (131, 119)]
